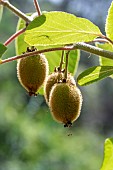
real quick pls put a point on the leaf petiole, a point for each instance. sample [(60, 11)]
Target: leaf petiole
[(108, 39), (36, 3), (14, 36)]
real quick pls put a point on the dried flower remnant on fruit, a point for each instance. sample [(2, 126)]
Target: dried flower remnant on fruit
[(65, 103), (32, 72)]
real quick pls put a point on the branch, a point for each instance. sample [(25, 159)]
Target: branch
[(15, 10), (81, 46), (94, 50), (14, 36)]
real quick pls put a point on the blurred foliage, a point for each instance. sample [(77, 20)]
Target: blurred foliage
[(36, 142), (29, 137)]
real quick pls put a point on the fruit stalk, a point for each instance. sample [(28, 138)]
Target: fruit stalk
[(62, 61), (66, 65)]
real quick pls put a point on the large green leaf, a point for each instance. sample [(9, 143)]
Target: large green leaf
[(109, 23), (2, 49), (108, 155), (105, 61), (94, 74), (74, 57), (20, 44), (52, 57), (60, 28), (1, 11)]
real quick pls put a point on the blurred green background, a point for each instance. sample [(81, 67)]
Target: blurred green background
[(29, 137)]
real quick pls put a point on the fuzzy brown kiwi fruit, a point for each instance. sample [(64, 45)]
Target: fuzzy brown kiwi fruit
[(70, 79), (55, 77), (65, 103), (32, 72)]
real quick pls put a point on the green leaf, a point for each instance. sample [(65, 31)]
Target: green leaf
[(52, 57), (109, 23), (94, 74), (74, 57), (108, 155), (104, 61), (1, 11), (60, 28), (2, 49), (20, 44)]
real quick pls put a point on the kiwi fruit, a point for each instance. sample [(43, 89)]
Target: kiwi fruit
[(32, 72), (56, 77), (53, 78), (70, 79), (65, 103)]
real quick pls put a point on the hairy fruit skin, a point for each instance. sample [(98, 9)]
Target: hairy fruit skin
[(70, 79), (32, 72), (65, 103), (52, 79)]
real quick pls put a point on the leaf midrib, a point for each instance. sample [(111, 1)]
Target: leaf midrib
[(64, 31)]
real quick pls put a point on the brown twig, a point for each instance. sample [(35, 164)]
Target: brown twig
[(81, 46), (36, 3)]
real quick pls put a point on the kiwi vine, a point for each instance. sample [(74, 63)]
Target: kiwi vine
[(25, 65), (32, 63), (61, 91)]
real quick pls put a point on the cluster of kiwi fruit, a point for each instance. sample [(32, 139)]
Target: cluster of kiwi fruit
[(63, 97), (61, 93)]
